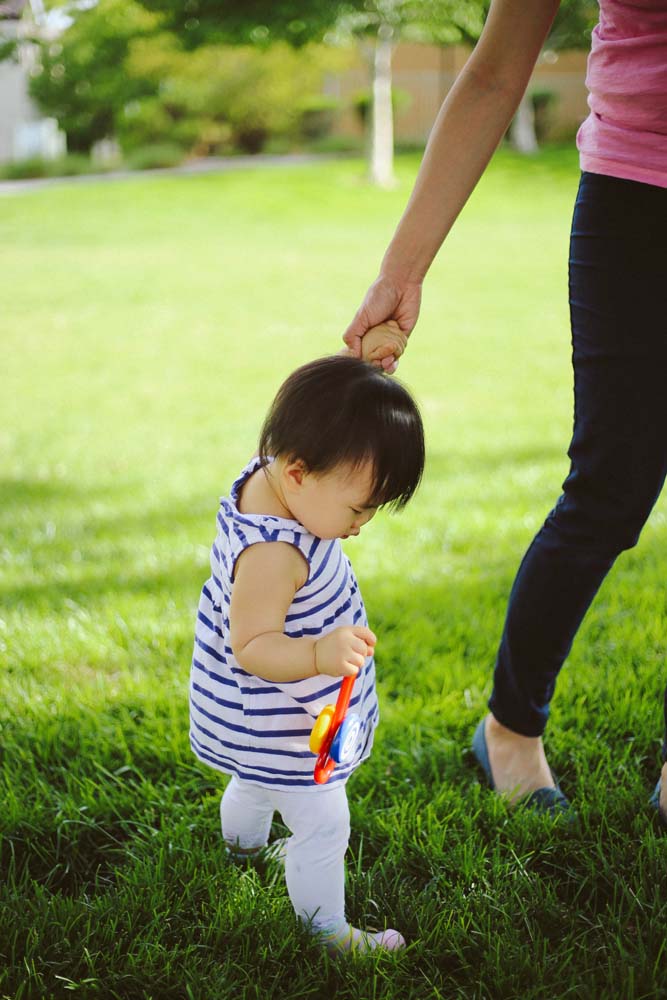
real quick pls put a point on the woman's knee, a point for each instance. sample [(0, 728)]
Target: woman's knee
[(606, 524)]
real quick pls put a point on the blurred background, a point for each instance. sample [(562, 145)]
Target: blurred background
[(153, 83)]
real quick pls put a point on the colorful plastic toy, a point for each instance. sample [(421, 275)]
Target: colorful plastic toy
[(334, 735)]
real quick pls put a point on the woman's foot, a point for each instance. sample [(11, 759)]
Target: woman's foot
[(352, 939), (518, 763)]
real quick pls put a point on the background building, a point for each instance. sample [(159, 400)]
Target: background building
[(426, 72), (24, 131)]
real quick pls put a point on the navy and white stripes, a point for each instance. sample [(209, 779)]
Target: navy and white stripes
[(243, 724)]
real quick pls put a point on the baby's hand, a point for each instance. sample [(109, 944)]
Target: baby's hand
[(342, 652), (383, 345)]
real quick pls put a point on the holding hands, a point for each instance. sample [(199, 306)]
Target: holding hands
[(379, 332), (382, 345)]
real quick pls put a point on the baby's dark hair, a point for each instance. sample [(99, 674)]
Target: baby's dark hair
[(340, 410)]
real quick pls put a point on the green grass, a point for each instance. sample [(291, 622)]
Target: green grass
[(145, 326)]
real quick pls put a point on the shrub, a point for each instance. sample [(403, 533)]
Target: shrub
[(72, 165), (66, 166), (218, 97), (317, 115), (155, 156), (363, 99), (35, 166), (544, 101)]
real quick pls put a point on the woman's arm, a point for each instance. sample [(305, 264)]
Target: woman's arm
[(469, 126)]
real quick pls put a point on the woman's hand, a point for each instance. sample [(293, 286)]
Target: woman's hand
[(392, 309)]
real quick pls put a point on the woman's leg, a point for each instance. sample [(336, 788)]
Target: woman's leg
[(618, 307), (246, 812)]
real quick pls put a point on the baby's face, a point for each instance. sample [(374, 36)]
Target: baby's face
[(335, 504)]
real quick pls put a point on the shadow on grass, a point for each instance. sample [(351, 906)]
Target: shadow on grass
[(89, 545)]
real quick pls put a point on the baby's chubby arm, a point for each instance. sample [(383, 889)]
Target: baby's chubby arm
[(382, 345), (266, 578)]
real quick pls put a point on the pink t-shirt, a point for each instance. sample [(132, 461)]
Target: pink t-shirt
[(625, 134)]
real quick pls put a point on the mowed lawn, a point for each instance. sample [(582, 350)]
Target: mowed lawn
[(145, 325)]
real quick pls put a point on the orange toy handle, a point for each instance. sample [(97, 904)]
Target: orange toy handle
[(324, 764)]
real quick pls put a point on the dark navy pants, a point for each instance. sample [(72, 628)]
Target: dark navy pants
[(618, 453)]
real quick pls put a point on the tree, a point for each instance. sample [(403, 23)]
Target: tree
[(446, 22), (246, 22), (299, 21), (217, 96), (118, 69), (80, 81)]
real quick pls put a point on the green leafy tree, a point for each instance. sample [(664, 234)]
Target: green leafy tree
[(299, 21), (573, 25), (119, 70), (80, 80), (247, 22), (216, 95), (381, 23)]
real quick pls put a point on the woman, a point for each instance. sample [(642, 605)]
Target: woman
[(618, 309)]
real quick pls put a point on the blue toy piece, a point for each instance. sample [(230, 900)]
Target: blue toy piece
[(345, 741)]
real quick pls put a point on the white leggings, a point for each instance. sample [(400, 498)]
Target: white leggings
[(320, 826)]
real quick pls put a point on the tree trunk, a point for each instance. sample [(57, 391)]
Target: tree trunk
[(382, 118), (522, 129)]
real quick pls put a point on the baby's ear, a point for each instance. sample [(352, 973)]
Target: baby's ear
[(293, 475)]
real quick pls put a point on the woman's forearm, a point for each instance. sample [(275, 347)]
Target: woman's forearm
[(469, 126)]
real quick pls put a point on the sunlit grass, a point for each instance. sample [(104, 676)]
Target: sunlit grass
[(145, 326)]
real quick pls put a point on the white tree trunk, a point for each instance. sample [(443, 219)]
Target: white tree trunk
[(522, 130), (382, 118)]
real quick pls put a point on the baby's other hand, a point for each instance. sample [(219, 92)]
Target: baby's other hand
[(343, 652)]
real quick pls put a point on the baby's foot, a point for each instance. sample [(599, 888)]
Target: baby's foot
[(350, 938)]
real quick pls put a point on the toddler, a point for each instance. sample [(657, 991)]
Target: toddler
[(281, 621)]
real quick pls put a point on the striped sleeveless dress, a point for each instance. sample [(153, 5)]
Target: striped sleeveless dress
[(259, 729)]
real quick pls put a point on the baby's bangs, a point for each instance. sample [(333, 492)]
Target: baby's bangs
[(398, 462)]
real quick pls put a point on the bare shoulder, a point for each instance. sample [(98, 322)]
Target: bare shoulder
[(271, 561)]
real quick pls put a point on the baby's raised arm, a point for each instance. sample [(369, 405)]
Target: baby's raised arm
[(383, 345), (266, 578)]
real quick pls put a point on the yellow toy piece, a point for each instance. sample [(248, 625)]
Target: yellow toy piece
[(321, 728)]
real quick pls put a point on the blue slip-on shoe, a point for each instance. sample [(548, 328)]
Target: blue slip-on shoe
[(481, 753), (544, 800), (655, 803)]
